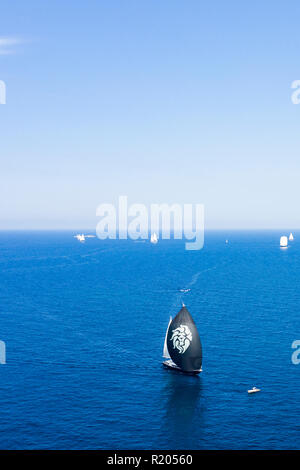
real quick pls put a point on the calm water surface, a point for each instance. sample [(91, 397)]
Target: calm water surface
[(84, 326)]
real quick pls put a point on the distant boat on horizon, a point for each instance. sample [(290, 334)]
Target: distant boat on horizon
[(284, 241), (80, 237), (154, 238), (182, 347), (291, 237)]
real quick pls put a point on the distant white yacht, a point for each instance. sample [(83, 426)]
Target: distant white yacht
[(154, 238), (291, 237), (254, 390), (80, 238), (284, 241)]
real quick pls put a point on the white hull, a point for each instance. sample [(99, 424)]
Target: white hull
[(254, 390)]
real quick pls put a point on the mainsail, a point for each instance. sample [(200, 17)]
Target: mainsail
[(183, 342), (166, 354), (154, 238), (291, 237), (284, 241)]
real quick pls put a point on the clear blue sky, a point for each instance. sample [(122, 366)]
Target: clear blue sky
[(160, 100)]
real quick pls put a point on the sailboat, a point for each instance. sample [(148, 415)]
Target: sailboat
[(154, 238), (182, 346), (80, 238), (291, 237), (284, 241)]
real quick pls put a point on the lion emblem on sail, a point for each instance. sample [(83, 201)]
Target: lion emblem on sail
[(181, 338)]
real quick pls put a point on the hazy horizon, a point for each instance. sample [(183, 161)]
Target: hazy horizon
[(79, 229)]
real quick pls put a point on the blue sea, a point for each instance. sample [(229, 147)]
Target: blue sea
[(84, 326)]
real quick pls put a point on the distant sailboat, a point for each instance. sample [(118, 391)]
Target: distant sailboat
[(154, 238), (182, 346), (284, 241), (291, 237), (80, 238)]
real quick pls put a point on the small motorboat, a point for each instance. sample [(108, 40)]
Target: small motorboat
[(254, 390)]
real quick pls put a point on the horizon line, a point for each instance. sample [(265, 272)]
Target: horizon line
[(59, 229)]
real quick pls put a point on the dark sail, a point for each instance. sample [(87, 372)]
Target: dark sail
[(184, 343)]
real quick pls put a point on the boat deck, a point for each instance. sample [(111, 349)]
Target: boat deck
[(169, 364)]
